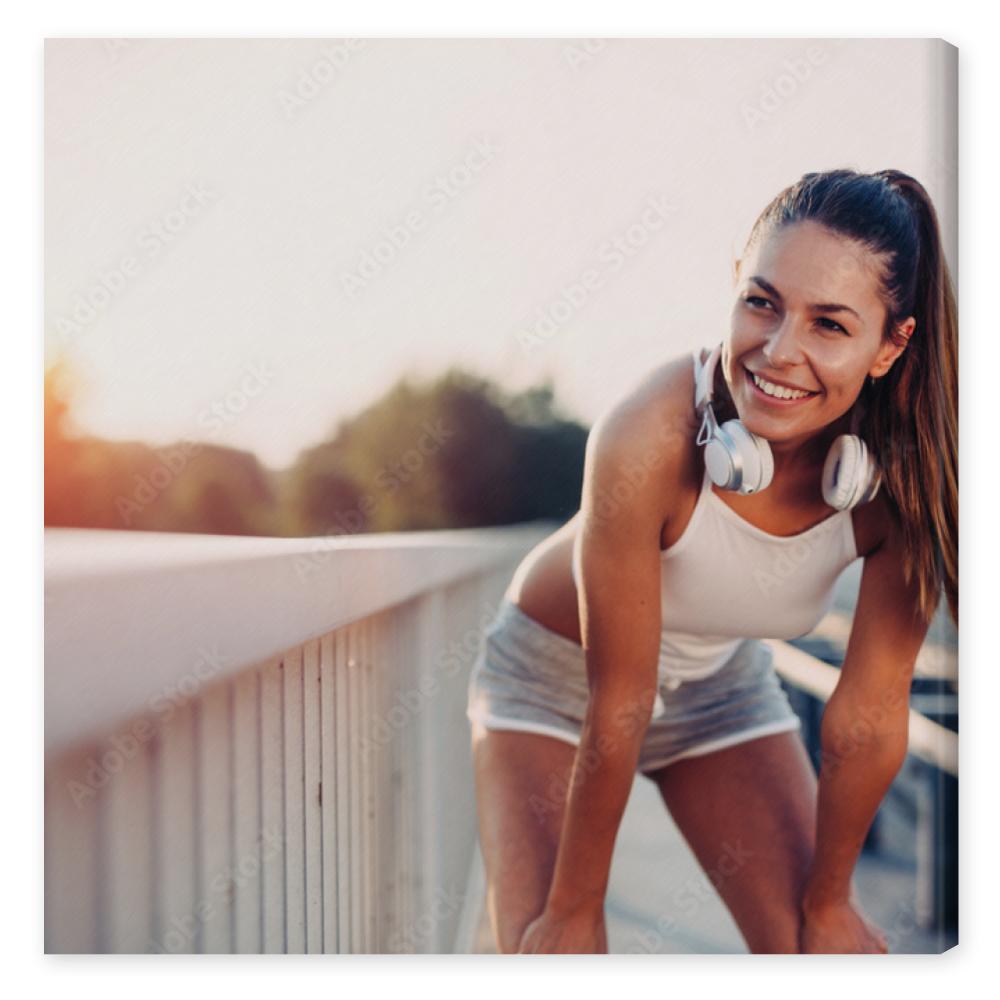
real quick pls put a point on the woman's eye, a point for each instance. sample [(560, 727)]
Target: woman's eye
[(832, 326), (758, 302)]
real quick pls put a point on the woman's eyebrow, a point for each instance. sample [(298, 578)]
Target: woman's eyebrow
[(816, 307)]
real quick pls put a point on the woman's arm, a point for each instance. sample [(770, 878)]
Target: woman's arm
[(617, 556), (864, 743)]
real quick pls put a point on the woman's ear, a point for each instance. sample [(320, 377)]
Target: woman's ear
[(903, 332), (900, 338)]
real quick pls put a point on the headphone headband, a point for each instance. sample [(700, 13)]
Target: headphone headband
[(705, 384)]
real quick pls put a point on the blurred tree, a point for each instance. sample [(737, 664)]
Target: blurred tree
[(216, 490), (324, 503), (456, 452), (186, 486)]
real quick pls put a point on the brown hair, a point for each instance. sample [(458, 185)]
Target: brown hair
[(909, 417)]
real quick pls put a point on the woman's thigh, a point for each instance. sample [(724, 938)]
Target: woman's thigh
[(521, 784), (749, 812)]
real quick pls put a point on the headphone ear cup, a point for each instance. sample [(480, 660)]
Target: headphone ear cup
[(766, 460), (719, 461), (753, 457), (839, 472), (869, 475), (849, 474), (874, 483)]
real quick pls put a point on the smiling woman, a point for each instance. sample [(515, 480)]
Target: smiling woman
[(863, 316), (629, 639)]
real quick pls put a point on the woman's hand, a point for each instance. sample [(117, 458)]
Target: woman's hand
[(579, 932), (840, 929)]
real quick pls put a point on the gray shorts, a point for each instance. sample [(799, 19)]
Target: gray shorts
[(531, 679)]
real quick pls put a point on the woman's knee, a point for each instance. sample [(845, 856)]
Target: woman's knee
[(519, 777)]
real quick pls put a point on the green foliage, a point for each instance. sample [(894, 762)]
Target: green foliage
[(454, 453)]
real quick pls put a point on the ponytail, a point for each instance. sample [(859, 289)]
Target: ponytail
[(909, 417)]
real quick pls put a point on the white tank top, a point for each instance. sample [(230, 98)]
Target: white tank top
[(725, 580)]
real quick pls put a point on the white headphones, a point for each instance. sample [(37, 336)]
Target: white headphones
[(739, 460)]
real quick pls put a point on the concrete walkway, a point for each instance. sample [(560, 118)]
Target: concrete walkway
[(661, 902)]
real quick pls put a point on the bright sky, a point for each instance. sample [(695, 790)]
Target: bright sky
[(248, 240)]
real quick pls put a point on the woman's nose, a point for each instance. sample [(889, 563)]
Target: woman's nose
[(782, 348)]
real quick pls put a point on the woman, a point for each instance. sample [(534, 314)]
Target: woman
[(630, 638)]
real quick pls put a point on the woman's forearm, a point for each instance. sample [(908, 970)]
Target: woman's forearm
[(851, 788), (602, 778)]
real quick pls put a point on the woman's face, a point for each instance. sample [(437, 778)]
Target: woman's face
[(807, 315)]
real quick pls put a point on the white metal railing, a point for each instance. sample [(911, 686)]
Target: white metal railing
[(927, 740), (259, 745)]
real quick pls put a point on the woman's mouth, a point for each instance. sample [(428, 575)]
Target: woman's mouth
[(776, 395)]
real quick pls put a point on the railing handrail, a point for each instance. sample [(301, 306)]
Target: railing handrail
[(936, 660), (130, 616), (928, 740)]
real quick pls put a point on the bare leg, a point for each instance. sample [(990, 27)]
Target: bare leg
[(521, 785), (748, 812)]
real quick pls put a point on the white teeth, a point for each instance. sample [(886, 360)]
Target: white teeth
[(780, 391)]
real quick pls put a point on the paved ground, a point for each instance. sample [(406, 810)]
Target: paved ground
[(660, 901)]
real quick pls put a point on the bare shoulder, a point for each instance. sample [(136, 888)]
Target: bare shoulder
[(657, 406), (646, 438)]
